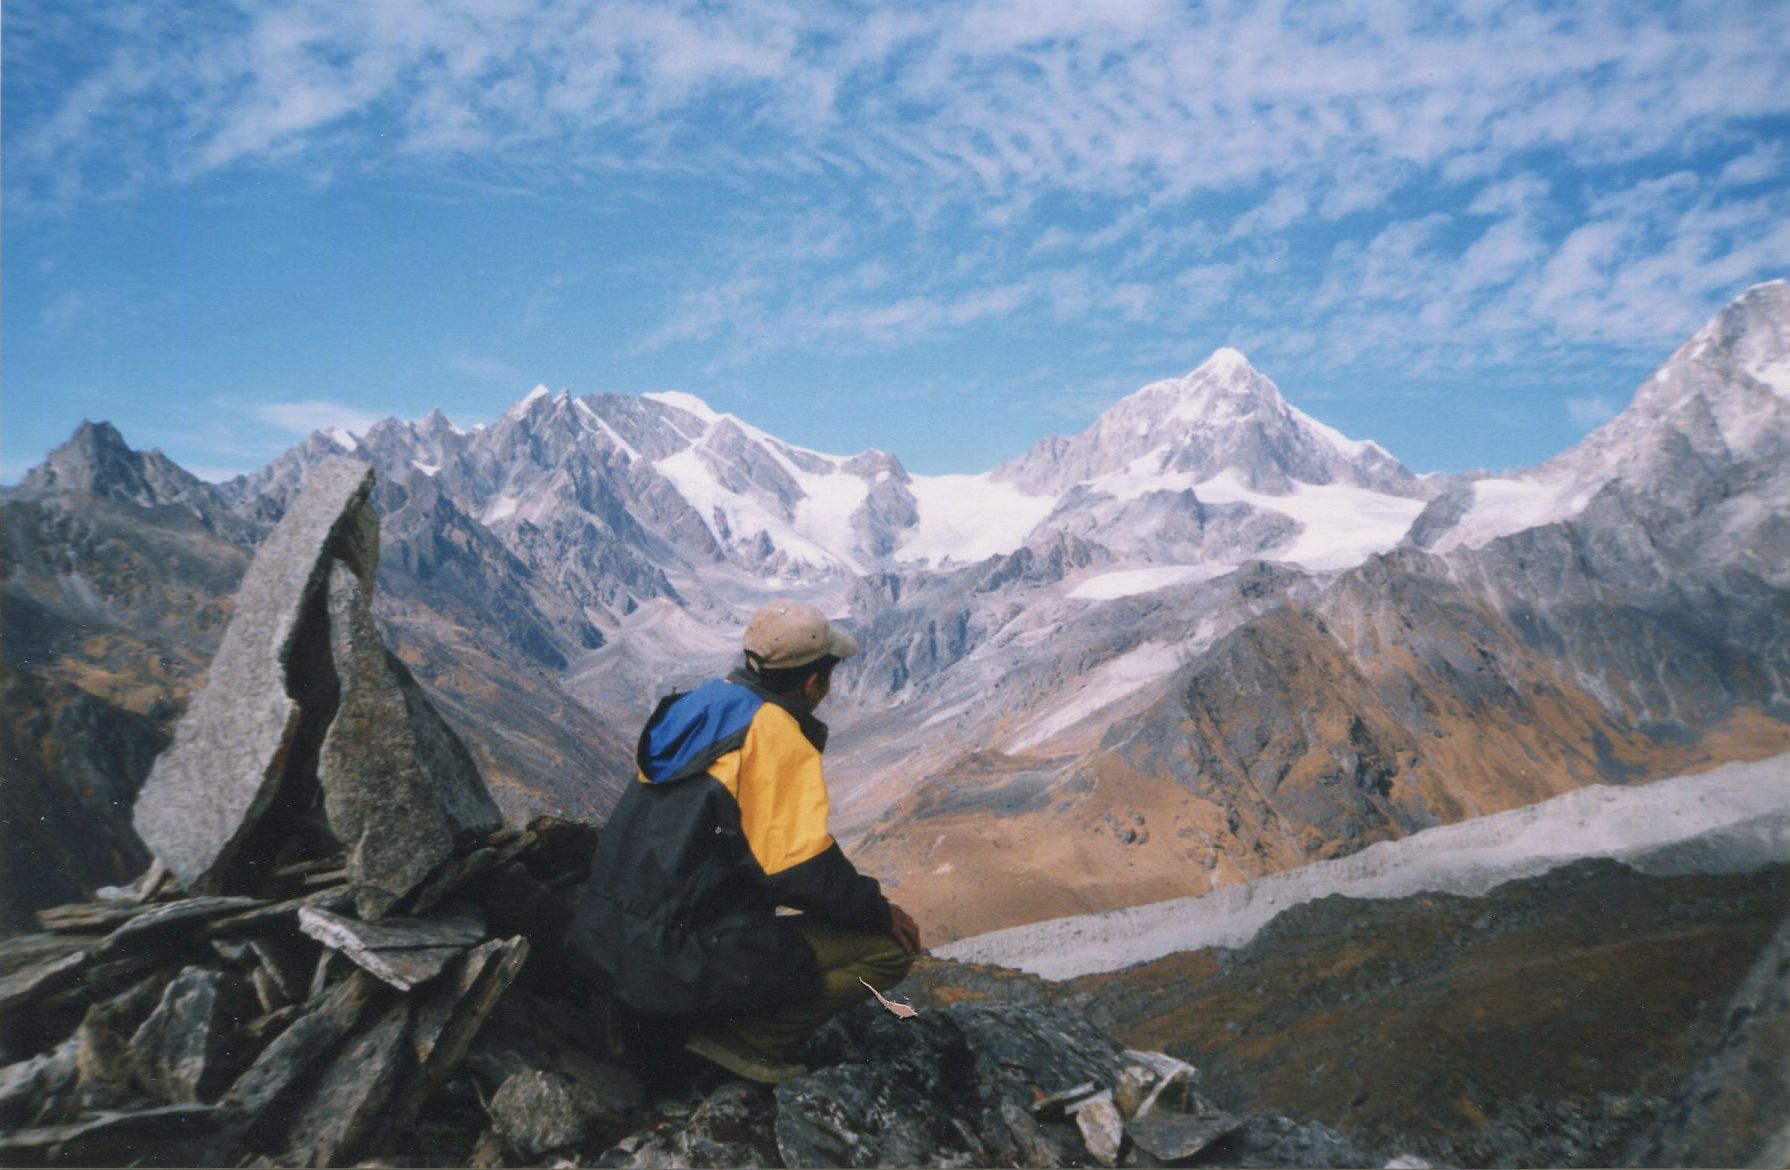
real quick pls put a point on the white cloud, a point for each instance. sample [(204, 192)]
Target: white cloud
[(302, 418), (998, 100), (1591, 410), (1763, 162), (1007, 144)]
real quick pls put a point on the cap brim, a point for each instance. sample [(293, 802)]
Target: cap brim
[(843, 645)]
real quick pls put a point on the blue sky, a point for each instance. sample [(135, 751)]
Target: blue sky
[(1466, 231)]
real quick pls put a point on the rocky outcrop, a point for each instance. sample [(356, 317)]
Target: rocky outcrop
[(977, 1084), (303, 702), (154, 1028), (1734, 1107)]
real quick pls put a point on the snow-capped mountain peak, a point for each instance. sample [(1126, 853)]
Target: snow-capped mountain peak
[(1724, 395), (1223, 416), (1721, 402), (528, 400), (1221, 389), (686, 402)]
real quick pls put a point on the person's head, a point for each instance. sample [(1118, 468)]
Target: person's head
[(792, 648)]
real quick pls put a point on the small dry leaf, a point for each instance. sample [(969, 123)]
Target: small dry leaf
[(900, 1010)]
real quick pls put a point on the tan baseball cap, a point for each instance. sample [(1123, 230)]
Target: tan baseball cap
[(786, 634)]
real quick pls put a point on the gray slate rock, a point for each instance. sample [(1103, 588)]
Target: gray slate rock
[(105, 1138), (182, 1049), (536, 1111), (347, 1108), (730, 1127), (399, 787), (237, 751), (40, 1090), (1174, 1137), (944, 1088), (400, 951)]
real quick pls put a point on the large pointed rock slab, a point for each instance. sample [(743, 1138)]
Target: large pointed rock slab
[(400, 789), (244, 741)]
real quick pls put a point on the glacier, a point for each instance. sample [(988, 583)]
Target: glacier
[(1731, 819)]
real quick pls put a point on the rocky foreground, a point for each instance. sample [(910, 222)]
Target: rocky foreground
[(150, 1028)]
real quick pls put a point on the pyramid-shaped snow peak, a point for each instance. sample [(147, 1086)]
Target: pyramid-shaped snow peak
[(1224, 417)]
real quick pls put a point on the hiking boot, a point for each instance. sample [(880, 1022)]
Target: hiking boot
[(728, 1051)]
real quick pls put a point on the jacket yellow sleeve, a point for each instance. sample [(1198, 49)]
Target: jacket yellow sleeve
[(782, 795)]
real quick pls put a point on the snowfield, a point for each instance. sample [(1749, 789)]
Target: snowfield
[(1733, 819), (968, 518)]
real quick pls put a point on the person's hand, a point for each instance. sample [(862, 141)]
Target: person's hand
[(905, 930)]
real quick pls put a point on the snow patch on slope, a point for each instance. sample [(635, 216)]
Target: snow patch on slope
[(818, 527), (1131, 582), (968, 518), (1340, 525), (1733, 819), (1505, 506), (1112, 682), (1775, 374), (688, 403)]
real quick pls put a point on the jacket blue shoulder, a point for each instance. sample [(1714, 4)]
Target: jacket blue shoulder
[(690, 731)]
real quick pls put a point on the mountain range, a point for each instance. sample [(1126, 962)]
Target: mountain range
[(1207, 639)]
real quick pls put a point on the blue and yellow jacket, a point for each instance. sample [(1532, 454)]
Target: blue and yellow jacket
[(727, 821)]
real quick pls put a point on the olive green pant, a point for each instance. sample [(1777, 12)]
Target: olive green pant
[(845, 957)]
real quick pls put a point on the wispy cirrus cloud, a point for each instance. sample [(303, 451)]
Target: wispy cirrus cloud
[(996, 100), (1348, 186)]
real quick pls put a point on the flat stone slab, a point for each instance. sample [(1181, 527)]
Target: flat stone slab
[(347, 1106), (210, 791), (171, 918), (1055, 1103), (452, 1011), (1102, 1129), (1173, 1137), (400, 951), (106, 1138), (88, 917), (40, 979)]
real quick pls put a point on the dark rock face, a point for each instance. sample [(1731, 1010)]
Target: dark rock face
[(184, 1044), (974, 1084), (97, 462), (109, 606), (978, 1059), (534, 1112)]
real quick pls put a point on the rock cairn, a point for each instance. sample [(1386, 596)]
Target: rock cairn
[(335, 910)]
